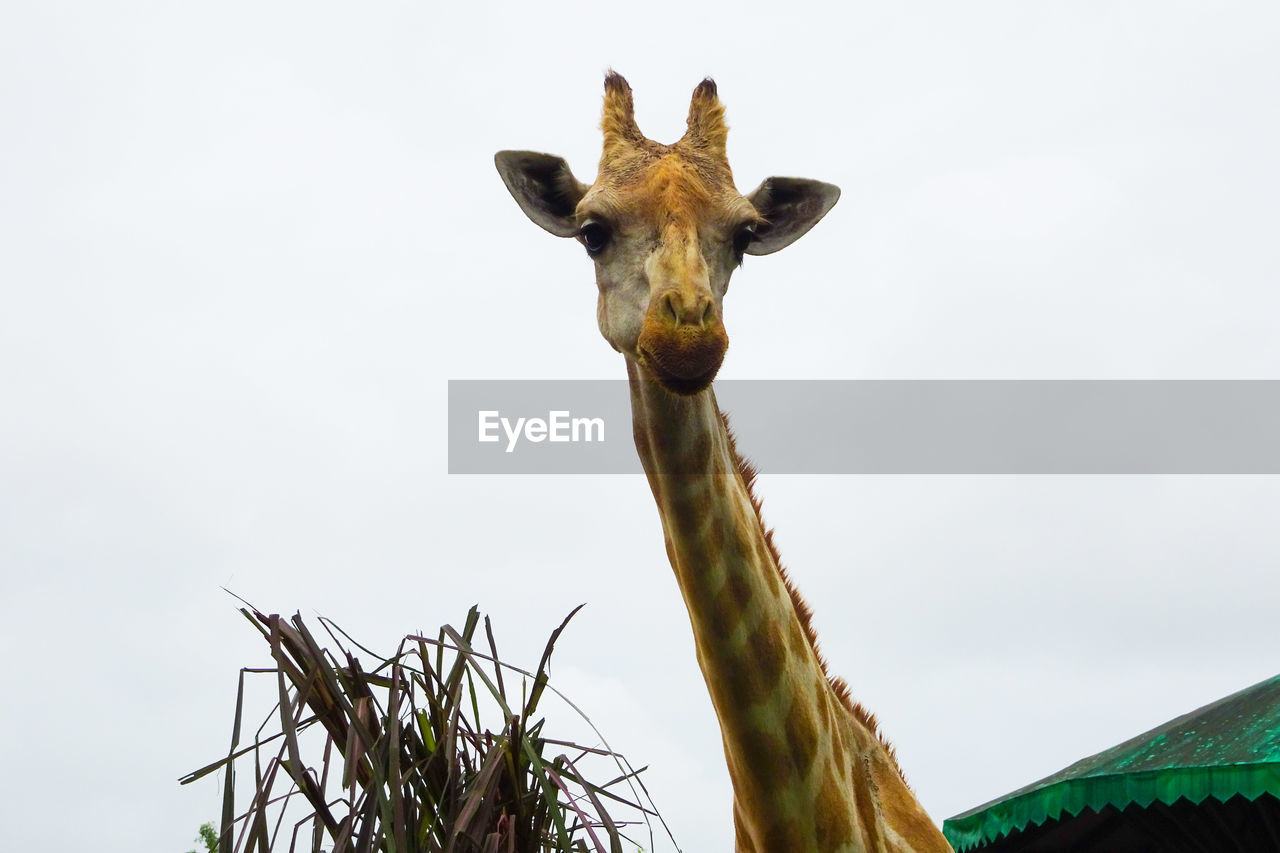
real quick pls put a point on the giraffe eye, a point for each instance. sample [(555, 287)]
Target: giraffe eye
[(595, 236), (742, 239)]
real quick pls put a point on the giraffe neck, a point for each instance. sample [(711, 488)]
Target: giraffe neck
[(808, 772), (766, 684)]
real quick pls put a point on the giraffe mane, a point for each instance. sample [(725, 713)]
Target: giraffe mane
[(839, 686)]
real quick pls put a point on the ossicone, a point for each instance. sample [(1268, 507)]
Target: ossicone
[(707, 131), (618, 120)]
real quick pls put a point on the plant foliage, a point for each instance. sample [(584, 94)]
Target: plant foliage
[(396, 758), (208, 836)]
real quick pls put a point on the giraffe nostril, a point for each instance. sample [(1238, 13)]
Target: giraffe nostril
[(697, 310), (673, 312)]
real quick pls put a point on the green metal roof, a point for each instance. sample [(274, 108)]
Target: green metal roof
[(1229, 747)]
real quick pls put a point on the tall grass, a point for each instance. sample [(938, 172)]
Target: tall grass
[(396, 757)]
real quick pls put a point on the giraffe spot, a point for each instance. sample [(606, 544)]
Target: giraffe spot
[(802, 733), (723, 618), (689, 508), (736, 547), (732, 598), (715, 540), (738, 588), (768, 658), (770, 761), (833, 823), (784, 834)]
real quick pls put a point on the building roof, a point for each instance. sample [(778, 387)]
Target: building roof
[(1226, 749)]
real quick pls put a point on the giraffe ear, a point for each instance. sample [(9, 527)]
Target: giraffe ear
[(790, 207), (543, 186)]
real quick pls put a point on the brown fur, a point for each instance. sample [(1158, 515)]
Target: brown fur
[(838, 685), (678, 181), (707, 131), (622, 136), (834, 827), (619, 119), (683, 356)]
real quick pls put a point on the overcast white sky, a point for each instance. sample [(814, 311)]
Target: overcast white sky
[(245, 245)]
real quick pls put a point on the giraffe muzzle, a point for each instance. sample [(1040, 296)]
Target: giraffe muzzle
[(683, 357)]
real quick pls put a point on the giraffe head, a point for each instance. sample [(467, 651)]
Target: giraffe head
[(666, 228)]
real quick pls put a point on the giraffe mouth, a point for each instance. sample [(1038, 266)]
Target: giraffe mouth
[(683, 357), (674, 382)]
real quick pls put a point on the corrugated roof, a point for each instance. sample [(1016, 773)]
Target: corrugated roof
[(1228, 748)]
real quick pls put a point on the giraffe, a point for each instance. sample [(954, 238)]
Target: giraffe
[(666, 228)]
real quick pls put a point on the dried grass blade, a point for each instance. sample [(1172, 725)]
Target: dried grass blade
[(395, 783), (573, 804), (493, 649), (227, 830), (527, 746), (615, 844), (540, 680), (480, 789)]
